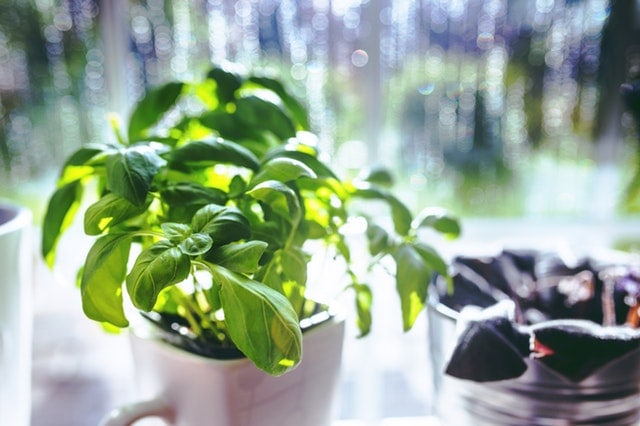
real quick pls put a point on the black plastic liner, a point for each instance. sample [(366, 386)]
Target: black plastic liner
[(558, 313)]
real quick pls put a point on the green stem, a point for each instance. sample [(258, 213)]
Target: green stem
[(206, 320), (266, 271), (288, 243), (292, 234), (147, 234), (114, 120), (186, 303), (198, 289)]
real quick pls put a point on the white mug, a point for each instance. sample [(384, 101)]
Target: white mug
[(186, 389), (16, 263)]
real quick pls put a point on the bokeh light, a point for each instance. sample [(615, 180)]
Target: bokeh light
[(449, 90)]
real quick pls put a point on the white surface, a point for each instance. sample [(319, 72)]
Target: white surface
[(15, 318), (394, 421), (80, 373)]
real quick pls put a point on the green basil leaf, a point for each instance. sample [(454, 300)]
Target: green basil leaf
[(61, 210), (270, 232), (378, 238), (363, 302), (207, 153), (282, 169), (229, 126), (157, 267), (399, 212), (237, 186), (102, 277), (168, 303), (295, 293), (183, 199), (213, 297), (260, 321), (150, 109), (175, 232), (279, 197), (205, 216), (87, 153), (313, 230), (432, 258), (227, 82), (343, 248), (297, 110), (192, 193), (318, 167), (75, 173), (378, 176), (412, 280), (257, 113), (131, 171), (440, 220), (243, 258), (632, 193), (196, 244), (223, 224), (109, 211), (271, 273), (294, 265)]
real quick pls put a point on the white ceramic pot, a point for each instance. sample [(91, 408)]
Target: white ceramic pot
[(16, 262), (186, 389)]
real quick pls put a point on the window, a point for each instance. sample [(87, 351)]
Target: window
[(478, 104), (489, 107)]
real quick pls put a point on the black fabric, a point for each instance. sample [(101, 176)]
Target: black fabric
[(564, 323), (579, 350), (469, 289), (482, 281), (489, 350)]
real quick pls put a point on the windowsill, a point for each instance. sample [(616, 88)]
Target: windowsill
[(80, 373), (394, 421)]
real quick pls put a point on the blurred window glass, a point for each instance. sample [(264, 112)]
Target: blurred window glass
[(490, 107)]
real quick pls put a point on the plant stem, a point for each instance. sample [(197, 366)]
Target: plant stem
[(292, 234), (114, 120), (147, 234), (185, 302), (198, 289)]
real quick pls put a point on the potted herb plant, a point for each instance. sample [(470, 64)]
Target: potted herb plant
[(202, 210)]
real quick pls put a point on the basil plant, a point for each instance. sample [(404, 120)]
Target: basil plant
[(201, 208)]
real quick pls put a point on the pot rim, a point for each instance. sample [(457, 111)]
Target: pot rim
[(19, 217), (434, 304), (145, 333)]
